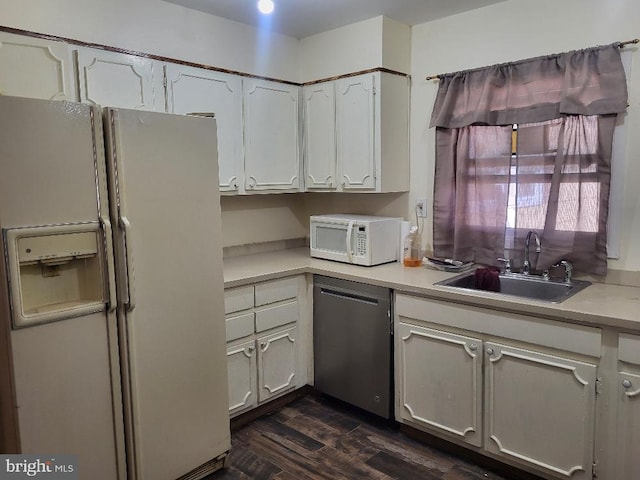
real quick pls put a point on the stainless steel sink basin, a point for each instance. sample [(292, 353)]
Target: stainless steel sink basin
[(533, 287)]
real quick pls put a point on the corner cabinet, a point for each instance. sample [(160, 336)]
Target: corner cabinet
[(272, 159), (357, 134), (266, 341), (515, 388), (36, 68), (196, 90)]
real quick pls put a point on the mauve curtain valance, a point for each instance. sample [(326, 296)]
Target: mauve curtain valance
[(582, 82)]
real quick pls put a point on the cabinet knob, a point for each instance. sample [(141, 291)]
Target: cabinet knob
[(235, 185), (473, 347), (489, 351), (626, 383), (251, 349)]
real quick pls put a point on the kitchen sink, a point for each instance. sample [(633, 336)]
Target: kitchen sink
[(533, 287)]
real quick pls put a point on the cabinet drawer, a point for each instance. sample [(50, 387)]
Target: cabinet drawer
[(238, 299), (274, 316), (629, 348), (239, 326), (276, 291)]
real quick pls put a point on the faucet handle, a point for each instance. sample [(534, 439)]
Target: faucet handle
[(568, 269), (507, 264)]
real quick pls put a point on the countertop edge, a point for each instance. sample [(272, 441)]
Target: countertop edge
[(589, 307)]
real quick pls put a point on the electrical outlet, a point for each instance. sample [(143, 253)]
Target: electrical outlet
[(421, 207)]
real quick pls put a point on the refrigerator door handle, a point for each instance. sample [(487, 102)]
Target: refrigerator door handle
[(131, 289), (111, 281)]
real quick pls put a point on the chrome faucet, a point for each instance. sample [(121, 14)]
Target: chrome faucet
[(568, 269), (527, 264)]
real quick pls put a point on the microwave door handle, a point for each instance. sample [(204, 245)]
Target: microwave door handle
[(349, 233)]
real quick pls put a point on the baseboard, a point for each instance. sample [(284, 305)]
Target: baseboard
[(496, 466), (269, 407)]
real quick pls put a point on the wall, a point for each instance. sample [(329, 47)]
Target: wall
[(153, 26), (262, 218), (372, 43), (521, 29)]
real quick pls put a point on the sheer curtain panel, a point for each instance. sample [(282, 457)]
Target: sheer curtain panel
[(490, 190)]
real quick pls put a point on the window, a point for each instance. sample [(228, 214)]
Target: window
[(527, 146)]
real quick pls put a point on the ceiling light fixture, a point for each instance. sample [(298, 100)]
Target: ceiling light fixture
[(265, 6)]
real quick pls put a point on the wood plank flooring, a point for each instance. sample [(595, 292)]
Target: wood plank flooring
[(318, 439)]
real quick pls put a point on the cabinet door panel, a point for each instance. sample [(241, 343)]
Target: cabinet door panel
[(629, 426), (540, 410), (271, 136), (192, 90), (35, 68), (116, 80), (441, 381), (355, 120), (241, 365), (276, 363), (320, 136)]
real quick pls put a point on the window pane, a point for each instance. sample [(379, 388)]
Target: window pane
[(578, 207)]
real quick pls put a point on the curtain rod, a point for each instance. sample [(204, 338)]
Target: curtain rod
[(620, 45)]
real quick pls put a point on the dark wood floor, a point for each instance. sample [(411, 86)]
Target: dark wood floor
[(316, 438)]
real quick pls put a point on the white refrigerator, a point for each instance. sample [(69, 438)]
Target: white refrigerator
[(113, 288)]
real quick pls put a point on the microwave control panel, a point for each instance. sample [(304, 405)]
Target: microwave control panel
[(361, 240)]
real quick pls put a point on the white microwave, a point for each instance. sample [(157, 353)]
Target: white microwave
[(357, 239)]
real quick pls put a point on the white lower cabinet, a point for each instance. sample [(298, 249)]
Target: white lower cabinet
[(441, 381), (474, 377), (628, 403), (266, 353), (540, 409), (276, 363), (242, 369)]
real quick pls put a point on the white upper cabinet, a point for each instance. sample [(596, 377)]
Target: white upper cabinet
[(191, 90), (271, 136), (357, 134), (355, 123), (119, 80), (320, 136), (35, 68)]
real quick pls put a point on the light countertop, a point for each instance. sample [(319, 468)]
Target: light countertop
[(598, 305)]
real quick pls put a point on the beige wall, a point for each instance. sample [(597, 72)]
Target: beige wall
[(376, 42), (514, 30), (157, 27)]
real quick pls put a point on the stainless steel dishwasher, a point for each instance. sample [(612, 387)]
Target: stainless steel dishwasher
[(352, 328)]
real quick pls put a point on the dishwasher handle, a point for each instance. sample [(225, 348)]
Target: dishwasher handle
[(349, 295)]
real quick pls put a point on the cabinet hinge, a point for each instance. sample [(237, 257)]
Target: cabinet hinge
[(598, 386), (164, 81), (594, 470)]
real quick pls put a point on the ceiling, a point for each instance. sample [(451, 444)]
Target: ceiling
[(302, 18)]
